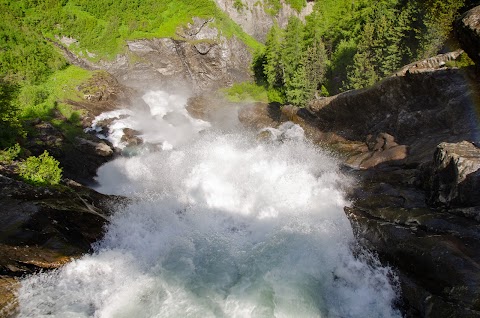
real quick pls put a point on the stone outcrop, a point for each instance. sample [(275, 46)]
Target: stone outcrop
[(455, 175), (254, 17), (44, 227), (436, 254), (199, 58), (407, 107), (79, 157), (429, 64), (467, 31)]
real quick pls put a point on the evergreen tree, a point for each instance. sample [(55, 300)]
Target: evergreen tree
[(362, 73), (273, 69), (10, 127), (293, 59)]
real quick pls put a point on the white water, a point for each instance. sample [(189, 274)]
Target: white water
[(220, 226)]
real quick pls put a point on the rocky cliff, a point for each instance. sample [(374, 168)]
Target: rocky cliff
[(256, 18), (199, 58)]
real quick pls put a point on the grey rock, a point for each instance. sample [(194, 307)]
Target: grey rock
[(199, 59), (455, 179), (254, 18)]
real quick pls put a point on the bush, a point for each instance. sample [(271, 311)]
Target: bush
[(9, 154), (41, 170)]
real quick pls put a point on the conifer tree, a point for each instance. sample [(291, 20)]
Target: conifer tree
[(273, 69)]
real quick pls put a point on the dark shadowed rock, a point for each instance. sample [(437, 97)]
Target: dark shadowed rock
[(436, 254), (467, 31), (45, 227), (131, 137), (455, 175)]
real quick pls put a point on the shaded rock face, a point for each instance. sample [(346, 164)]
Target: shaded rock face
[(43, 228), (455, 175), (254, 18), (79, 157), (467, 31), (407, 107), (199, 59), (436, 254)]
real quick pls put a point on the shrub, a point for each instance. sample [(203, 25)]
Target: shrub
[(9, 154), (41, 170)]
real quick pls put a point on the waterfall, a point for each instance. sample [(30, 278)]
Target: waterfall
[(220, 224)]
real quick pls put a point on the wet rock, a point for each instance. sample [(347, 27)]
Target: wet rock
[(467, 31), (44, 227), (436, 254), (455, 176), (99, 148), (130, 137)]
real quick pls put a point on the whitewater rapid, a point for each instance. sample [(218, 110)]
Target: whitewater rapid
[(220, 225)]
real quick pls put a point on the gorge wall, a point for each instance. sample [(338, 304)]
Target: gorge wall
[(256, 18)]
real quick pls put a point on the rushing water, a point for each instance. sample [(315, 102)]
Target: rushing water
[(221, 225)]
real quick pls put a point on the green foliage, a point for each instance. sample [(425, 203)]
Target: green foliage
[(10, 126), (246, 92), (273, 68), (41, 170), (297, 4), (353, 44), (9, 154), (102, 27), (238, 4), (294, 63), (463, 61), (45, 100), (272, 6)]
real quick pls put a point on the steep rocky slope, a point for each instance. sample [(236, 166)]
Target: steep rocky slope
[(199, 58), (254, 16)]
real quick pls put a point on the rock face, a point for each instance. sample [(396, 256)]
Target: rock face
[(455, 176), (200, 58), (43, 228), (407, 107), (253, 16), (436, 254), (467, 31), (79, 157)]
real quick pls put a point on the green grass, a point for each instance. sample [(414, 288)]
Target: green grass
[(42, 100), (245, 92)]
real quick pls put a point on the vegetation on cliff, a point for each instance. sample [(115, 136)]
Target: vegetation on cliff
[(36, 79), (350, 44)]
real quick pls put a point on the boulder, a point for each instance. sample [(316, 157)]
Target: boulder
[(43, 228), (436, 255), (455, 175), (467, 31)]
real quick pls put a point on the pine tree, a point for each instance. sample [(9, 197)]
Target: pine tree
[(272, 68), (362, 73), (292, 59)]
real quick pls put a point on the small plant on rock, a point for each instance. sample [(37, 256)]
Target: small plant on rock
[(9, 154), (41, 170)]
